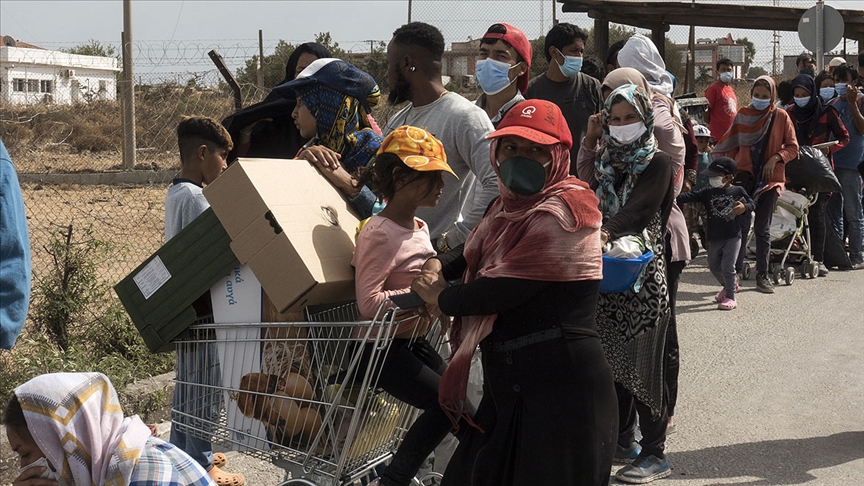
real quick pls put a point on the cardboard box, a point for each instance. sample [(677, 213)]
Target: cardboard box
[(293, 228), (158, 295)]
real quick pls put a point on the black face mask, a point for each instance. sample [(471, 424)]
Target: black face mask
[(522, 175)]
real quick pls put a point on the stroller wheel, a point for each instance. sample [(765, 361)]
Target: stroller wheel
[(814, 269), (790, 275), (746, 271)]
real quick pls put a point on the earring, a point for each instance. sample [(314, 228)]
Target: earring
[(413, 68)]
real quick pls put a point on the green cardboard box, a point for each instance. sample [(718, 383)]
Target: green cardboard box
[(158, 295)]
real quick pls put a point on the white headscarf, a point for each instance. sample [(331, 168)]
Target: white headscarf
[(642, 55), (77, 422)]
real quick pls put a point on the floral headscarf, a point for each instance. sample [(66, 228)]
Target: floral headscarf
[(618, 165), (342, 124)]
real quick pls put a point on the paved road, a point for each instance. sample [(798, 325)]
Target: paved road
[(770, 394)]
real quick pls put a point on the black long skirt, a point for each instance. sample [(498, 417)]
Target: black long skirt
[(549, 415)]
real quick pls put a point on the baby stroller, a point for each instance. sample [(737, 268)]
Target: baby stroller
[(790, 240)]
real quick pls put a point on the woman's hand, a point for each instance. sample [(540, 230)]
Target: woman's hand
[(321, 156), (246, 132), (30, 477), (768, 170), (429, 285), (825, 151), (594, 131)]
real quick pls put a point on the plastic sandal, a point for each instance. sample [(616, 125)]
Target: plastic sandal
[(223, 478), (219, 460), (727, 304)]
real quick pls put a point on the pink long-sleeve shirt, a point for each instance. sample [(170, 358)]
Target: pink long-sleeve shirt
[(387, 257)]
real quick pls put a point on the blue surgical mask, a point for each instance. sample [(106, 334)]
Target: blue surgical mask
[(493, 76), (760, 105), (522, 175), (802, 102), (725, 77), (826, 93), (571, 67), (841, 88)]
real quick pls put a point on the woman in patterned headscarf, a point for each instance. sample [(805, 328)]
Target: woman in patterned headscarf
[(334, 100), (69, 427), (633, 180)]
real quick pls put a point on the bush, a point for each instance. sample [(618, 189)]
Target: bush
[(78, 325)]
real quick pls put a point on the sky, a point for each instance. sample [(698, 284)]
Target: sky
[(177, 34)]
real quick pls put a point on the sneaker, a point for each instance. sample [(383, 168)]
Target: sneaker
[(727, 304), (721, 296), (763, 284), (857, 264), (626, 455), (823, 270), (644, 470)]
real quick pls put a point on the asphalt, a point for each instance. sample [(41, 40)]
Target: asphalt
[(771, 393)]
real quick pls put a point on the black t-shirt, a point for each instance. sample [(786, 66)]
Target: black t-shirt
[(578, 98), (722, 222)]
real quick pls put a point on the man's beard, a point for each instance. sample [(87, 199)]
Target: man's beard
[(401, 92)]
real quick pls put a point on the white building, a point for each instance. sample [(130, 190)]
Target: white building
[(34, 75)]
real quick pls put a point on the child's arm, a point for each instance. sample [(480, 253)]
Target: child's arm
[(373, 262), (745, 199), (688, 197)]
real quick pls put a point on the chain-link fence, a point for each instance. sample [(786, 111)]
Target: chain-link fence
[(55, 139)]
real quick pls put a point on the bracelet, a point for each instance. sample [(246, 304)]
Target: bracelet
[(443, 247), (608, 236)]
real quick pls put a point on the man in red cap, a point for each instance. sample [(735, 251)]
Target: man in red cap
[(503, 69), (576, 93)]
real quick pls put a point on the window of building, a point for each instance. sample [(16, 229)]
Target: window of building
[(32, 85), (46, 86), (19, 85), (103, 85)]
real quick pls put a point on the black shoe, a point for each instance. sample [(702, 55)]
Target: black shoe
[(763, 284)]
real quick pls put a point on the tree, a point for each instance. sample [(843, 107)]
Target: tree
[(749, 51), (93, 48), (375, 64), (325, 40), (273, 67), (756, 71)]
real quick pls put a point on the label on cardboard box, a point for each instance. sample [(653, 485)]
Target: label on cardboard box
[(151, 277)]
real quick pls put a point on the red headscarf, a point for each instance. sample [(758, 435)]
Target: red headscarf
[(516, 239)]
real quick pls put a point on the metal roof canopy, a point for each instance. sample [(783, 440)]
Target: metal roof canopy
[(658, 16)]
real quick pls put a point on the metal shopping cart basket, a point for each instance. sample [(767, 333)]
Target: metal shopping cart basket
[(300, 394)]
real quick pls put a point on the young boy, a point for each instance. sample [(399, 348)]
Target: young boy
[(722, 102), (204, 146), (724, 203)]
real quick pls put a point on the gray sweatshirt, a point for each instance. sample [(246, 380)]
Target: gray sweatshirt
[(462, 128)]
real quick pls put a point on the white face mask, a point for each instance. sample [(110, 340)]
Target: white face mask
[(47, 474), (627, 133), (716, 182)]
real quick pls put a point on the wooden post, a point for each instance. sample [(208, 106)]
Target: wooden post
[(229, 78), (690, 75), (601, 38), (260, 58), (128, 90), (658, 37)]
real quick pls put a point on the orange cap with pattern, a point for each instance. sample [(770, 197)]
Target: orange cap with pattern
[(417, 148)]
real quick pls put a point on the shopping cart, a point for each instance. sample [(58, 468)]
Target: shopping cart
[(302, 395)]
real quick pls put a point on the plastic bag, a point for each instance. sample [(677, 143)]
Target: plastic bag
[(625, 247), (811, 170)]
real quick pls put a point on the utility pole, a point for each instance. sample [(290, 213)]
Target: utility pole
[(554, 14), (128, 90), (409, 11), (260, 58)]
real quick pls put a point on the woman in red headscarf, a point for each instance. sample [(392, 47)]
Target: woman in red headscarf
[(530, 275)]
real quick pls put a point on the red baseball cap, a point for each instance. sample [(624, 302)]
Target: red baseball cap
[(516, 38), (539, 121)]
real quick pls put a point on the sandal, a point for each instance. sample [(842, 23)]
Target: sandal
[(222, 478), (727, 304), (219, 460)]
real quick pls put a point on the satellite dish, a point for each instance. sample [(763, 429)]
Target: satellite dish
[(8, 41)]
